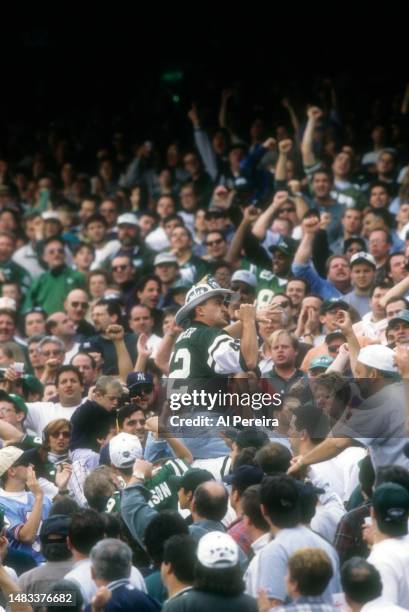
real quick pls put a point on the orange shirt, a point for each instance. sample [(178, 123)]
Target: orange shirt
[(322, 349)]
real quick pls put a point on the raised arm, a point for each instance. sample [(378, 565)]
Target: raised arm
[(226, 95), (29, 530), (396, 291), (262, 224), (116, 333), (301, 205), (303, 254), (177, 446), (250, 214), (405, 101), (314, 113), (203, 144), (284, 147), (293, 117), (144, 353), (165, 348), (9, 433), (329, 448), (345, 325), (249, 339)]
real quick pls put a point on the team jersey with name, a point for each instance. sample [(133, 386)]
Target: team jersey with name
[(163, 491)]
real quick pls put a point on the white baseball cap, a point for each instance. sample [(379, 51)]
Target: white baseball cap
[(165, 258), (6, 302), (50, 215), (363, 257), (379, 357), (124, 449), (8, 456), (245, 276), (217, 550), (127, 219)]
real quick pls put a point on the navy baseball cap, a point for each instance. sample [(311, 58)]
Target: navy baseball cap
[(333, 303), (137, 380), (56, 525), (244, 476)]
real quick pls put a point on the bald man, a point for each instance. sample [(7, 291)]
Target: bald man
[(60, 325), (76, 306)]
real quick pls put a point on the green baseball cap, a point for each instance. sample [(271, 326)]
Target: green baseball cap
[(31, 384), (324, 361), (19, 403), (391, 506)]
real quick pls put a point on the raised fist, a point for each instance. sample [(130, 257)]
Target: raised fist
[(285, 146), (314, 113)]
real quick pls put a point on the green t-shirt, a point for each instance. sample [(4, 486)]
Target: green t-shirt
[(14, 273), (163, 492), (268, 283), (51, 288)]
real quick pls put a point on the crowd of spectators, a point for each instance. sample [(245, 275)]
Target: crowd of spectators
[(273, 256)]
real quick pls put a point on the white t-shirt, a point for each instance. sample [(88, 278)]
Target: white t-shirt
[(42, 413), (391, 559), (105, 252), (157, 240), (327, 516), (250, 576), (381, 605), (71, 353), (81, 575), (340, 473)]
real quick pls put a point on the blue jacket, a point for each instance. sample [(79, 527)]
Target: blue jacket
[(316, 283)]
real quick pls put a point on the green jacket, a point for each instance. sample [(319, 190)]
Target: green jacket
[(14, 273), (51, 288)]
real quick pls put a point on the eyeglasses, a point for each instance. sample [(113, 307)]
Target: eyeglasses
[(289, 210), (214, 242), (133, 422), (58, 434), (120, 268), (55, 251), (54, 353), (79, 304)]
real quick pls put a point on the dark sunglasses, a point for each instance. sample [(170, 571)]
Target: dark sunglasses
[(283, 304), (57, 434), (80, 304), (55, 251), (288, 210), (120, 268)]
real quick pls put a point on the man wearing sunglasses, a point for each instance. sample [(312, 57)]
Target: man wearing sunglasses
[(76, 306), (51, 288), (129, 244)]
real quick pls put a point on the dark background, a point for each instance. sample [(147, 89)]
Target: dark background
[(105, 71)]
